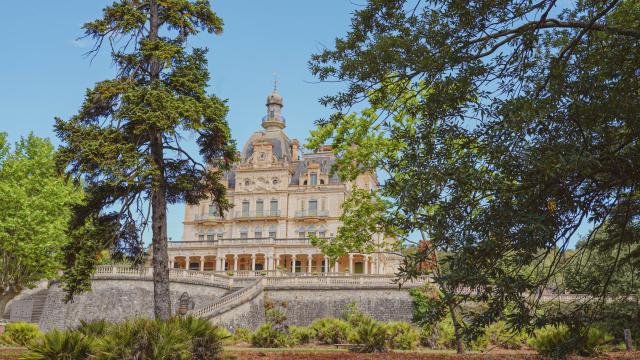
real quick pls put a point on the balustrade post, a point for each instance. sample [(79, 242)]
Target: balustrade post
[(293, 264), (114, 269), (253, 262), (326, 265), (351, 264)]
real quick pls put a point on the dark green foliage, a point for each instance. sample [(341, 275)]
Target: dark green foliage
[(558, 341), (331, 331), (21, 333), (94, 328), (368, 336), (61, 345), (268, 336), (125, 144), (401, 335), (300, 335), (206, 341), (502, 127), (428, 305)]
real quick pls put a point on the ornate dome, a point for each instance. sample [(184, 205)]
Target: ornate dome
[(281, 144)]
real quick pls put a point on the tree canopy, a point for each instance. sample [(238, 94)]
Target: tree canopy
[(125, 143), (502, 127), (35, 211)]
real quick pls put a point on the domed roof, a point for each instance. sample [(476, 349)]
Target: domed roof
[(281, 144), (274, 98)]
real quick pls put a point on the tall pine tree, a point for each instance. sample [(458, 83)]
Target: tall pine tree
[(125, 143)]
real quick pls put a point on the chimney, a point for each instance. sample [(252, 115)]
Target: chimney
[(294, 149)]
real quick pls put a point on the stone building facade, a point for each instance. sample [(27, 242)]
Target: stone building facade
[(280, 196)]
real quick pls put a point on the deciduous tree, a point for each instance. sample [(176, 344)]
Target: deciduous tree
[(35, 212)]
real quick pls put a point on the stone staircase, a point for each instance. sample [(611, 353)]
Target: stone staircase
[(230, 301), (37, 297)]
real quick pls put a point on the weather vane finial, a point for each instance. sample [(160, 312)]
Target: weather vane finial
[(275, 82)]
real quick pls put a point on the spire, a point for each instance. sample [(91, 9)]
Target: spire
[(274, 119)]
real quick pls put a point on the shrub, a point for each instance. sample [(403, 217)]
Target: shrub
[(21, 333), (268, 336), (145, 339), (402, 335), (56, 344), (93, 328), (368, 337), (559, 342), (354, 316), (242, 334), (224, 334), (331, 331), (206, 339), (300, 335), (438, 336)]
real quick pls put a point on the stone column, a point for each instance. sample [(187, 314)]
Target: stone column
[(171, 262), (309, 263), (253, 262), (336, 267), (278, 262), (374, 267), (235, 262), (187, 263), (201, 263), (293, 264), (366, 265), (351, 264), (326, 265)]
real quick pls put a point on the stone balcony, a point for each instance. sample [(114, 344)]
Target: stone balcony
[(311, 215), (253, 215)]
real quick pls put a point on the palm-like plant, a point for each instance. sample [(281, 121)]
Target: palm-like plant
[(61, 345)]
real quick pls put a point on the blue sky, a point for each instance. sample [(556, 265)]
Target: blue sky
[(44, 73)]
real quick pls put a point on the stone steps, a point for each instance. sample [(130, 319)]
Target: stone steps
[(39, 300)]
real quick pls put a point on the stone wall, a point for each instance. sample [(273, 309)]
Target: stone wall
[(115, 300), (304, 306)]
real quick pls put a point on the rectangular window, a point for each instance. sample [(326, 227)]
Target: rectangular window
[(201, 237), (213, 210), (245, 208), (259, 207), (272, 234), (314, 179), (258, 234), (244, 235), (313, 207), (274, 207), (322, 234), (210, 237)]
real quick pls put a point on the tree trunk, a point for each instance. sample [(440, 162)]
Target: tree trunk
[(450, 304), (456, 328), (160, 259)]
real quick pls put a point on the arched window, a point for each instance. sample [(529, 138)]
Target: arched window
[(210, 235), (321, 181), (272, 231), (220, 233), (257, 232), (244, 232), (322, 232), (301, 233), (305, 182), (311, 230)]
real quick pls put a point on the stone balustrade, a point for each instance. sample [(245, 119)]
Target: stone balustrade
[(230, 301)]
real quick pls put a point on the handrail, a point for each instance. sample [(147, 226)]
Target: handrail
[(233, 298)]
